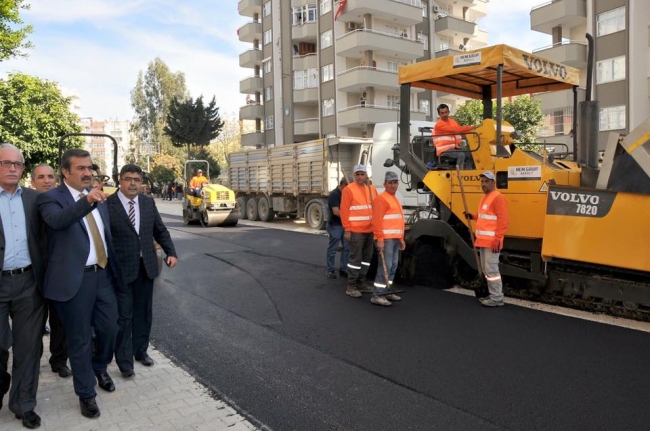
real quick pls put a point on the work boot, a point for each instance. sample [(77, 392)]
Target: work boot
[(380, 300), (393, 297), (489, 302), (362, 287), (353, 292)]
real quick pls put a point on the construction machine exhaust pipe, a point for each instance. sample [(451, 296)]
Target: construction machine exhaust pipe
[(588, 132)]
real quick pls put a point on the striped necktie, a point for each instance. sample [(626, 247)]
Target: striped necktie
[(132, 212)]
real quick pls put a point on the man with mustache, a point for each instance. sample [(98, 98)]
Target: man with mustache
[(82, 274), (44, 179), (135, 224)]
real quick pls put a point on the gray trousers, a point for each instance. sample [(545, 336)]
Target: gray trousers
[(20, 299), (490, 267), (361, 247)]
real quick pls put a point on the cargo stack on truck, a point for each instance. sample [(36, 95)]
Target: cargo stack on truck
[(293, 180)]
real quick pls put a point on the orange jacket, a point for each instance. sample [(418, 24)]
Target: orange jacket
[(356, 208), (387, 217), (197, 181), (492, 219), (449, 127)]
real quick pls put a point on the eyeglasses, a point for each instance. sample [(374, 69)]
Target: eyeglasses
[(7, 164), (132, 179)]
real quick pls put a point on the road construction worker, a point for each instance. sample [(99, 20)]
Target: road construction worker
[(388, 229), (491, 226), (198, 180), (450, 142), (356, 216)]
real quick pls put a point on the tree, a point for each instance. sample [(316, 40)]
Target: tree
[(33, 116), (12, 37), (190, 123), (161, 175), (215, 168), (523, 112), (150, 99), (228, 141)]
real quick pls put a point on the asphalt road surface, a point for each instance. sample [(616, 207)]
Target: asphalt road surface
[(250, 313)]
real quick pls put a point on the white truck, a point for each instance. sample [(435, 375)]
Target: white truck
[(294, 180)]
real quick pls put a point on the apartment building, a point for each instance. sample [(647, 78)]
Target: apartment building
[(324, 68), (101, 148), (621, 81)]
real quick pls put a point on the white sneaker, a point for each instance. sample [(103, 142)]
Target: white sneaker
[(380, 300), (353, 293), (393, 297)]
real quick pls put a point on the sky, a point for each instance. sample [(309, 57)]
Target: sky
[(95, 48)]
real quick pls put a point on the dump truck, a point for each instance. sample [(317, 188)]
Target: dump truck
[(578, 228)]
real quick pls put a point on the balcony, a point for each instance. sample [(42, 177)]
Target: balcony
[(306, 95), (356, 116), (402, 12), (572, 54), (448, 51), (357, 78), (354, 43), (253, 139), (251, 85), (564, 13), (306, 126), (306, 32), (249, 7), (451, 26), (250, 31), (250, 58), (251, 112), (304, 62)]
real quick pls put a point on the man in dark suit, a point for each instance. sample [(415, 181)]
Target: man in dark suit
[(20, 294), (81, 274), (135, 224), (44, 179)]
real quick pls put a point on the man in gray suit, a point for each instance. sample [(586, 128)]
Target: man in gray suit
[(20, 295), (135, 224)]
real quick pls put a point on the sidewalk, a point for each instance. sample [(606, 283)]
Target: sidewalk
[(161, 397)]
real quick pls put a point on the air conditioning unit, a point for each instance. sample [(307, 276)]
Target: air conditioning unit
[(364, 95), (462, 47), (435, 9)]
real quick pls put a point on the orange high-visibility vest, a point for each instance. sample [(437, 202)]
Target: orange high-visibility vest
[(387, 217), (446, 143), (486, 223), (356, 208)]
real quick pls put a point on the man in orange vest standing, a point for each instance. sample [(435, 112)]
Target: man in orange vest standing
[(356, 216), (450, 142), (491, 226), (388, 228)]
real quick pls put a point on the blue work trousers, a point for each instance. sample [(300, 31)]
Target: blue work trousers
[(336, 233)]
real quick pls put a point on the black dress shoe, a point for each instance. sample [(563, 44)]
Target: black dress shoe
[(30, 420), (63, 371), (105, 382), (89, 407), (145, 360), (128, 373)]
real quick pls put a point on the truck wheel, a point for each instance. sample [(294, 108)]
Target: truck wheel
[(251, 210), (264, 209), (315, 215), (241, 204)]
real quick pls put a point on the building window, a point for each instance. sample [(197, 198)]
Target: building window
[(268, 93), (327, 72), (425, 9), (612, 118), (266, 66), (303, 14), (267, 8), (610, 21), (558, 122), (424, 106), (424, 39), (392, 66), (312, 78), (268, 37), (326, 39), (268, 122), (298, 80), (328, 107), (392, 102), (325, 6), (305, 79), (612, 69)]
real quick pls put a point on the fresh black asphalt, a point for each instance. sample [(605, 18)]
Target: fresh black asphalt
[(250, 313)]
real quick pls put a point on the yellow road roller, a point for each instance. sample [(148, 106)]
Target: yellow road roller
[(208, 204)]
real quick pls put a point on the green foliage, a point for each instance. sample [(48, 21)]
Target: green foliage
[(190, 122), (162, 174), (150, 99), (524, 113), (33, 116), (215, 167), (12, 37), (469, 114)]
